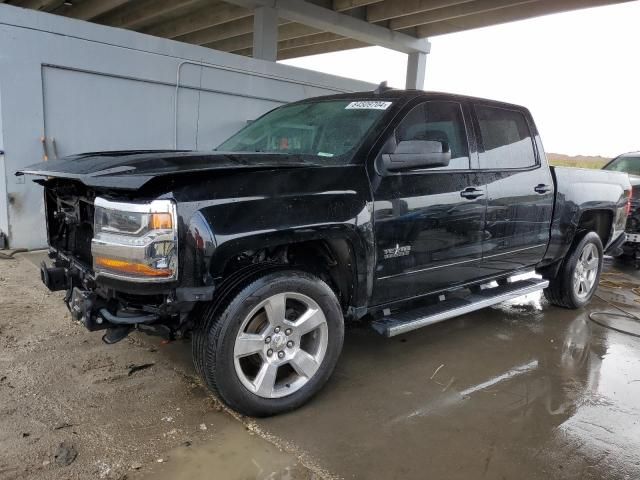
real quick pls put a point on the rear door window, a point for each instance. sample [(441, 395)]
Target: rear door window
[(505, 138)]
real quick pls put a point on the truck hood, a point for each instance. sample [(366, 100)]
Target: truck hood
[(130, 170)]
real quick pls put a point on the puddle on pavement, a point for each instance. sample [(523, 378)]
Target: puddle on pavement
[(523, 390), (234, 455), (520, 390)]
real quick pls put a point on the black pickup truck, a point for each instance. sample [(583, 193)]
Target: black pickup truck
[(396, 208)]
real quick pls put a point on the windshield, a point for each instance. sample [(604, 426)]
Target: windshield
[(625, 164), (330, 128)]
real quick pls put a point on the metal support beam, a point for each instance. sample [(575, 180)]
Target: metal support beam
[(265, 33), (342, 5), (198, 20), (505, 15), (219, 32), (457, 11), (308, 40), (330, 21), (286, 32), (136, 14), (90, 9), (392, 8), (44, 5), (338, 45), (416, 70)]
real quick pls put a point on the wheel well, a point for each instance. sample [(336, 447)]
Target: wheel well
[(599, 221), (332, 260)]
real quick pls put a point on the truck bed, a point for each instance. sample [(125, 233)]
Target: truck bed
[(580, 191)]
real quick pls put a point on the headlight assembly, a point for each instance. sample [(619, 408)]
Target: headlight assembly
[(135, 241)]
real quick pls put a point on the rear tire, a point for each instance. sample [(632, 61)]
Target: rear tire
[(578, 278), (272, 345)]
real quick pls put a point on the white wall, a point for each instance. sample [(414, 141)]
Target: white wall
[(86, 87)]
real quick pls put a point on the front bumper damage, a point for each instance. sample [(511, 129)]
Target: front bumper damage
[(101, 307)]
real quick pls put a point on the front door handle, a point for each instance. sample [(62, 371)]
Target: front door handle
[(471, 193), (542, 188)]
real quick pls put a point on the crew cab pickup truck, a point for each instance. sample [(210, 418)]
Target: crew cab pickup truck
[(396, 208)]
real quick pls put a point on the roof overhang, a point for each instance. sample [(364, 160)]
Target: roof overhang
[(305, 27)]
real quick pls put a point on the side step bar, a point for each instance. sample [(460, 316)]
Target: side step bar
[(403, 322)]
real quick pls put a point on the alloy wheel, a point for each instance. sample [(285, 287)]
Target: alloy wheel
[(586, 271), (280, 345)]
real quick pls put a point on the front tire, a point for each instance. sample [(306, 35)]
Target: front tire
[(273, 345), (579, 275)]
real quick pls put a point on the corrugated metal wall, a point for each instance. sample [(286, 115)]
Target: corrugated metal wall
[(83, 87)]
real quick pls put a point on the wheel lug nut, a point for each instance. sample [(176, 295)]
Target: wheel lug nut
[(280, 354), (267, 340), (277, 329), (287, 331), (269, 352), (289, 344)]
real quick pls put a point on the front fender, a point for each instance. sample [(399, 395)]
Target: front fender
[(221, 218)]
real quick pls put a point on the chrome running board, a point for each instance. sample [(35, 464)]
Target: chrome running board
[(405, 321)]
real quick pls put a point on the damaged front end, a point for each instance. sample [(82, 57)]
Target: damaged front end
[(99, 307), (116, 260)]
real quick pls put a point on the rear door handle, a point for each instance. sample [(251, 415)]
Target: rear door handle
[(542, 188), (471, 193)]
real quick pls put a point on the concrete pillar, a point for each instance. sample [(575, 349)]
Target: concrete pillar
[(265, 33), (416, 70)]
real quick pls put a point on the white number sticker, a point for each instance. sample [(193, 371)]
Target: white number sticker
[(367, 105)]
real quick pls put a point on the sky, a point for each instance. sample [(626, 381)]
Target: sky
[(578, 72)]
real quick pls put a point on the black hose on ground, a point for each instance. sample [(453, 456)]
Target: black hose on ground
[(10, 256), (624, 314)]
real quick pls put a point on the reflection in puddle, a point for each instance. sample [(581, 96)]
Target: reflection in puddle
[(603, 427), (575, 396), (519, 370)]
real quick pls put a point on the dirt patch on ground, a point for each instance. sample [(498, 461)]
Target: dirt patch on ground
[(72, 407)]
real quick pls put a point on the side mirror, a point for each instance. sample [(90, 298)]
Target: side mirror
[(417, 154)]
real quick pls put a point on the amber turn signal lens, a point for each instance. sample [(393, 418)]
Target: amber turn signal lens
[(139, 269), (160, 221)]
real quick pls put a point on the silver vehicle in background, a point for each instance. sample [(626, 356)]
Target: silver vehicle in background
[(630, 163)]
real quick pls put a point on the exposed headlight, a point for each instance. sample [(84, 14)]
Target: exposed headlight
[(135, 241)]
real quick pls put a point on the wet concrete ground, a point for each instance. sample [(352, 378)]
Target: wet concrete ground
[(523, 390)]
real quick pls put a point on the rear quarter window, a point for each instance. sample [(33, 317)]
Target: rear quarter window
[(505, 138)]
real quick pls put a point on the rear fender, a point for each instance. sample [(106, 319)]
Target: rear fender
[(579, 194)]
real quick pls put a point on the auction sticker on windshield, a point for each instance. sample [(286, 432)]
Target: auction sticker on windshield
[(368, 105)]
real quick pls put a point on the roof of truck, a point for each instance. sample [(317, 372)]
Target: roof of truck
[(392, 93)]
